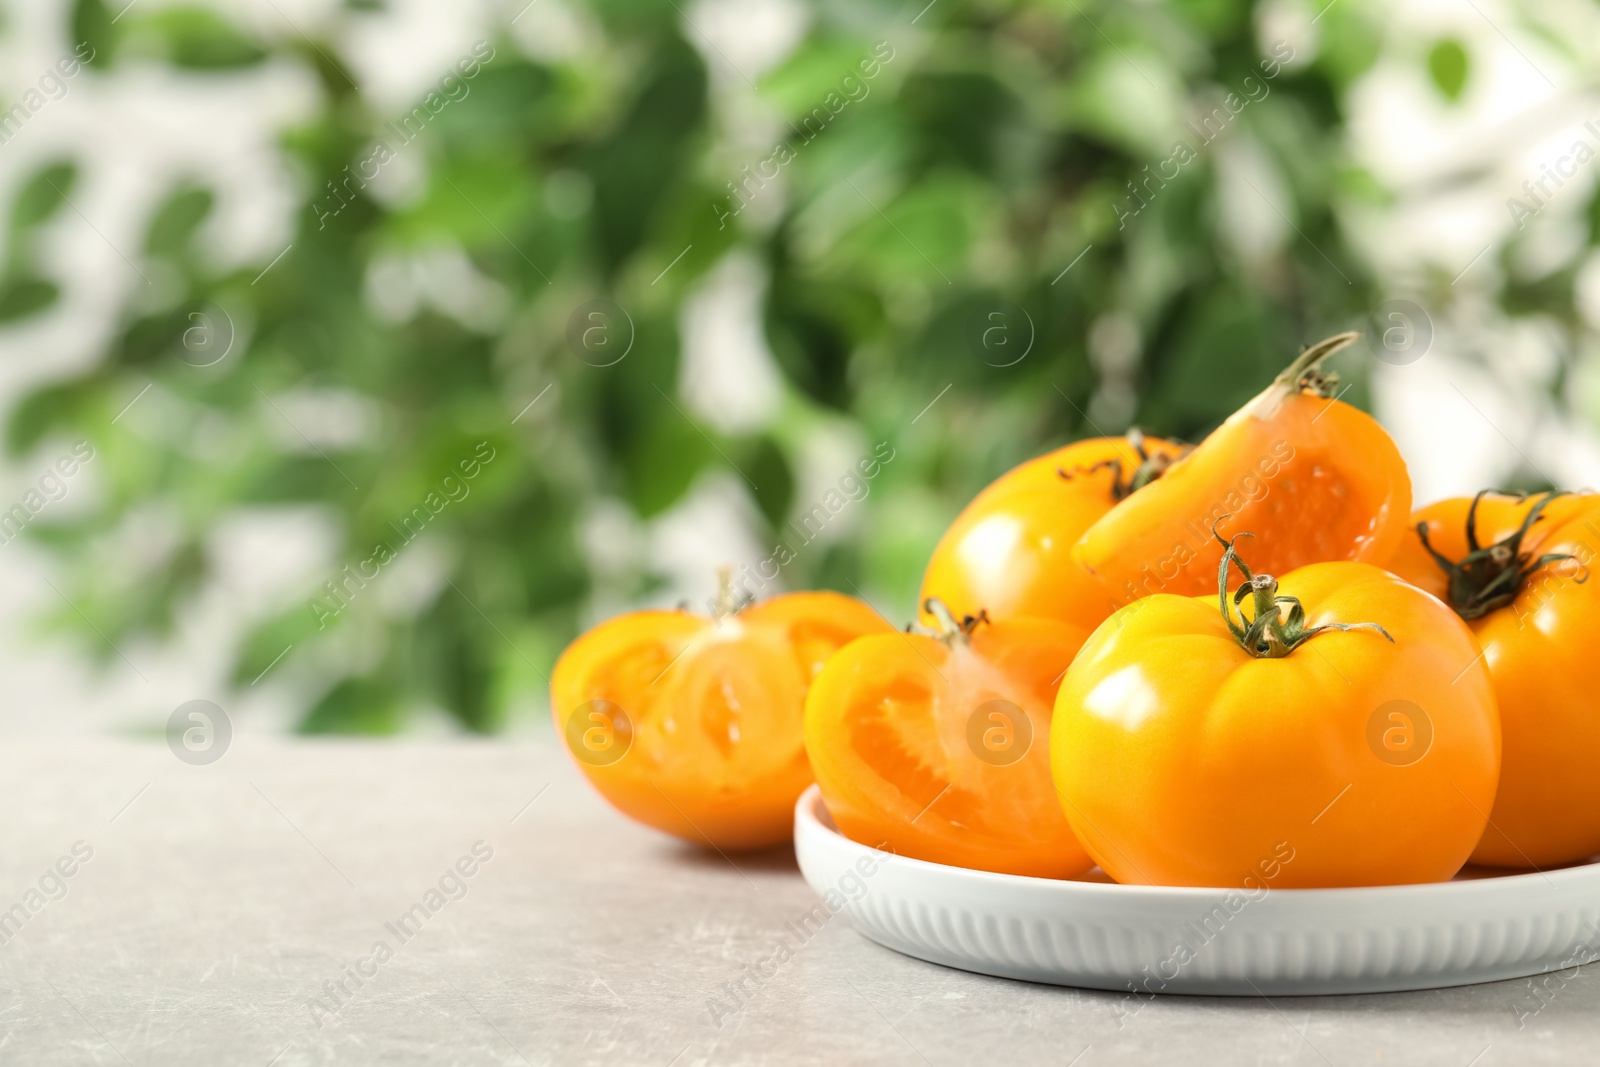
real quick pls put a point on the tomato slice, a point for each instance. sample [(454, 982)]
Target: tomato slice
[(695, 726), (939, 750), (1312, 478)]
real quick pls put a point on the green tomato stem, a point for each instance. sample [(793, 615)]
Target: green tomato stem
[(1269, 633), (1306, 374), (1490, 576), (947, 627)]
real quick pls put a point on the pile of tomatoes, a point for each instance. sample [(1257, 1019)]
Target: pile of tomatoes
[(1186, 665)]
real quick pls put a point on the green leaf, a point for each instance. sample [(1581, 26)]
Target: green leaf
[(94, 33), (635, 167), (766, 465), (42, 195), (478, 199), (1129, 101), (664, 460), (176, 221), (924, 232), (965, 117), (356, 706), (199, 39), (41, 412), (1349, 48), (1448, 66), (1217, 17), (819, 68), (270, 645), (21, 297), (459, 648)]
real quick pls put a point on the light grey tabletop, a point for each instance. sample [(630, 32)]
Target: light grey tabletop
[(219, 901)]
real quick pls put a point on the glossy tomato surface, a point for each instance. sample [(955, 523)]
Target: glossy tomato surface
[(1183, 760), (1008, 552), (694, 725), (1541, 652), (1312, 477), (939, 749)]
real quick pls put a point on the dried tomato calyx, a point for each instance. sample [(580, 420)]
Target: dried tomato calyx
[(1491, 576), (947, 627), (1269, 633), (1149, 469), (1306, 375), (731, 599)]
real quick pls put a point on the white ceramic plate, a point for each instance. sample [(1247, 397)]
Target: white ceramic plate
[(1143, 939)]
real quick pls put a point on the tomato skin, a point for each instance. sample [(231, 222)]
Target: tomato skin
[(1007, 553), (1540, 653), (712, 746), (1182, 760), (1314, 479), (890, 730)]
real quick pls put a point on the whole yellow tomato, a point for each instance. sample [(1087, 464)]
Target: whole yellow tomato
[(1342, 734), (1007, 553), (1516, 568)]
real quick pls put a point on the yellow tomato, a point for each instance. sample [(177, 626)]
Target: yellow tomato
[(1007, 554), (1516, 568), (1289, 746)]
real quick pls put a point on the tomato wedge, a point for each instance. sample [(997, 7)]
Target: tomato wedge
[(1008, 552), (1313, 477), (694, 725), (938, 749)]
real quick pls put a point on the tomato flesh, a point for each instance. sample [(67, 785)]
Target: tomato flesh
[(1312, 478), (939, 750), (695, 726)]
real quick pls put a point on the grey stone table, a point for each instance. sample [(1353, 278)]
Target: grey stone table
[(153, 912)]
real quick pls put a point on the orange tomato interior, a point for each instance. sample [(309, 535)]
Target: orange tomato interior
[(695, 726), (939, 751), (1312, 478)]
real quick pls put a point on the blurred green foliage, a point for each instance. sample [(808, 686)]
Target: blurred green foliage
[(1447, 66), (991, 153)]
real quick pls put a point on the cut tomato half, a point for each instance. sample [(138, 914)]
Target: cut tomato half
[(938, 749), (693, 725)]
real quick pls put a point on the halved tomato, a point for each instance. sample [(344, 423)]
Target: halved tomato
[(694, 725), (938, 747)]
